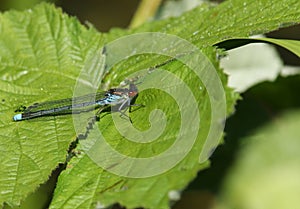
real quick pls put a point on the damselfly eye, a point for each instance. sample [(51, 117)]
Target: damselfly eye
[(132, 94), (133, 91)]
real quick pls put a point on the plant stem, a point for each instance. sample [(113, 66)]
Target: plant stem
[(146, 9)]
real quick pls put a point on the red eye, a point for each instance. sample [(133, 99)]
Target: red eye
[(132, 93)]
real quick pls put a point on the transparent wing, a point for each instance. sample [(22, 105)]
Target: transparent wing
[(72, 103)]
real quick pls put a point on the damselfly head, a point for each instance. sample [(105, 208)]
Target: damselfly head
[(133, 90)]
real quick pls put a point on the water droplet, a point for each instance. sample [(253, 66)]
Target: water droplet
[(100, 205), (195, 33), (174, 195), (286, 24)]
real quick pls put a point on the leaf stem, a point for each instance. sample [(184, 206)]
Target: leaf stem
[(145, 10)]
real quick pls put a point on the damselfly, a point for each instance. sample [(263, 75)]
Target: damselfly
[(120, 97)]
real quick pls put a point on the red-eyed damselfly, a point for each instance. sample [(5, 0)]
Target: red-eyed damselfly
[(120, 97)]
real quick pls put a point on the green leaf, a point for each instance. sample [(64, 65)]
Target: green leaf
[(207, 25), (43, 52), (291, 45), (269, 163)]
